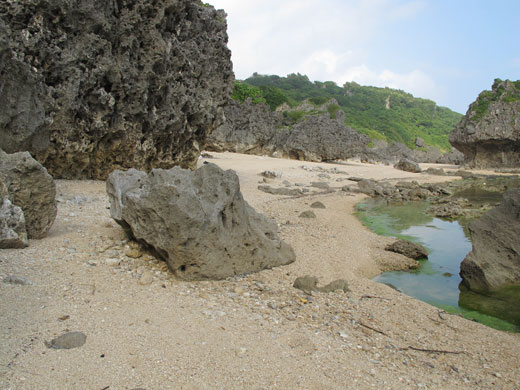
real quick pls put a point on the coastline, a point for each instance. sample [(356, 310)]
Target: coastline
[(252, 331)]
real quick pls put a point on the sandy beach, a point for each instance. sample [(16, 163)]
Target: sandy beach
[(148, 330)]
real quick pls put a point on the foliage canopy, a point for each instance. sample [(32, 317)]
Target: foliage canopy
[(381, 113)]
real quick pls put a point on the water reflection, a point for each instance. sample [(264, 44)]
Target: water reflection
[(437, 280)]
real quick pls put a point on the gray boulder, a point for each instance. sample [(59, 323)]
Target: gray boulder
[(408, 166), (408, 249), (198, 222), (89, 86), (489, 133), (31, 188), (494, 260), (12, 226)]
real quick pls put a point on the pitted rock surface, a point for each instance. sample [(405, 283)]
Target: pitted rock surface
[(91, 86), (198, 222), (489, 134), (494, 260), (30, 187)]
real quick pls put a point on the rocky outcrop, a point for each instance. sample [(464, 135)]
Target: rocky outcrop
[(91, 86), (453, 157), (494, 260), (408, 249), (12, 226), (318, 136), (249, 129), (489, 134), (30, 187), (408, 166), (198, 222), (381, 152)]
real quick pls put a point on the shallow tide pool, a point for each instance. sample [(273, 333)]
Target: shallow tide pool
[(437, 280)]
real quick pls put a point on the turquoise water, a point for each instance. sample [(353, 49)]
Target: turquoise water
[(437, 280)]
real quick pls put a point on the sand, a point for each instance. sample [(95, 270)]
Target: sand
[(147, 330)]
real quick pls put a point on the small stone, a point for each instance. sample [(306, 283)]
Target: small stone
[(146, 279), (270, 174), (15, 279), (239, 290), (307, 214), (320, 185), (133, 253), (112, 262), (68, 341), (318, 205)]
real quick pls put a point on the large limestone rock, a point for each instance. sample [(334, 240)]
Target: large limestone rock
[(318, 136), (30, 187), (197, 221), (489, 134), (89, 86), (249, 128), (494, 260), (12, 226)]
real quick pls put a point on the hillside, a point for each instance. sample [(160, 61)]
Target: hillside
[(381, 113)]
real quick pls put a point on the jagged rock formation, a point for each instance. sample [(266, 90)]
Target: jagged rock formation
[(249, 128), (381, 152), (198, 222), (91, 86), (28, 186), (318, 136), (494, 261), (489, 134)]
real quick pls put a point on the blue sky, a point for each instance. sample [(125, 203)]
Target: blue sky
[(444, 50)]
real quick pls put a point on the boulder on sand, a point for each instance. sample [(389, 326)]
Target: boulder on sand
[(30, 187), (408, 166), (197, 221)]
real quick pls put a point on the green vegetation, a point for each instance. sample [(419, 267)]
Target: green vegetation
[(242, 91), (498, 92), (381, 113)]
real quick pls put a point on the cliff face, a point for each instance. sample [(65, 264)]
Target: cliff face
[(90, 86), (489, 134)]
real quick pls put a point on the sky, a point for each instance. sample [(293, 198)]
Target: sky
[(444, 50)]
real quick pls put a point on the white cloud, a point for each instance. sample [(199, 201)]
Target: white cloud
[(329, 40)]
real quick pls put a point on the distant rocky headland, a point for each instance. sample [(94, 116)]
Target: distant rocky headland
[(489, 134)]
